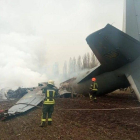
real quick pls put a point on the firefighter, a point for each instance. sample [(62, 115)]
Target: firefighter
[(93, 90), (48, 104)]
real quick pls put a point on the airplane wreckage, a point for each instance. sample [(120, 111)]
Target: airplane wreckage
[(33, 97), (118, 54), (119, 57)]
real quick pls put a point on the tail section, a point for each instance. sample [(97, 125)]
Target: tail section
[(113, 48)]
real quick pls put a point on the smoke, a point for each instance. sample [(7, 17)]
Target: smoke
[(35, 34), (24, 59)]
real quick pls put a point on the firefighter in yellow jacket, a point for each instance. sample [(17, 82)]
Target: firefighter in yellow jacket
[(93, 90), (48, 105)]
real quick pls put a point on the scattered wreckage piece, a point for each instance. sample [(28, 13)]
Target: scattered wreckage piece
[(20, 92), (27, 102), (66, 90), (3, 114), (30, 100), (64, 93)]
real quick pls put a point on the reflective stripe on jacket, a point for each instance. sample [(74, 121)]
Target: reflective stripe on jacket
[(49, 97), (94, 86)]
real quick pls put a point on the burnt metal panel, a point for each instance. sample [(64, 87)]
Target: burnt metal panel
[(30, 100), (64, 93)]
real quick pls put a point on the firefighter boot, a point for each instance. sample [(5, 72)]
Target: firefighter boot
[(42, 124), (49, 123), (95, 100)]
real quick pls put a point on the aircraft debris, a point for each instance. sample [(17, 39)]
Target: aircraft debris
[(66, 90), (118, 54), (20, 92), (64, 93), (27, 102), (3, 114), (119, 62)]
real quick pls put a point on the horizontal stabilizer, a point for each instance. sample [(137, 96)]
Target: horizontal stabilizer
[(91, 73)]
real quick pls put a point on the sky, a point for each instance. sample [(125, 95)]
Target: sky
[(34, 34)]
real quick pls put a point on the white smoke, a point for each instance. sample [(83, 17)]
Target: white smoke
[(3, 93), (35, 34), (24, 60)]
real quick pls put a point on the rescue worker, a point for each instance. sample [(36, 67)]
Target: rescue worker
[(93, 90), (48, 105)]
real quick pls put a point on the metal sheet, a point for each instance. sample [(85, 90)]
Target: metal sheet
[(61, 92), (30, 100), (64, 93)]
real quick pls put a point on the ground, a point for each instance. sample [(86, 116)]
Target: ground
[(87, 122)]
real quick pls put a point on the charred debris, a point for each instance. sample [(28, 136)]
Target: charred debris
[(29, 98)]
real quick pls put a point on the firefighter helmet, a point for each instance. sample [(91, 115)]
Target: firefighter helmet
[(93, 79), (51, 82)]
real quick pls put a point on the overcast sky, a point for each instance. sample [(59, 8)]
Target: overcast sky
[(34, 34)]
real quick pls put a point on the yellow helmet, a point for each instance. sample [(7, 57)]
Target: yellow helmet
[(51, 82)]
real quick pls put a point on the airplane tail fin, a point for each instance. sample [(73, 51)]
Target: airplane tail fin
[(92, 73), (113, 48)]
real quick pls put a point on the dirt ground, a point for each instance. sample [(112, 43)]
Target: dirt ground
[(78, 119)]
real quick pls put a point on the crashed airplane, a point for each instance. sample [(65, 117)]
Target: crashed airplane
[(118, 54), (119, 57)]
